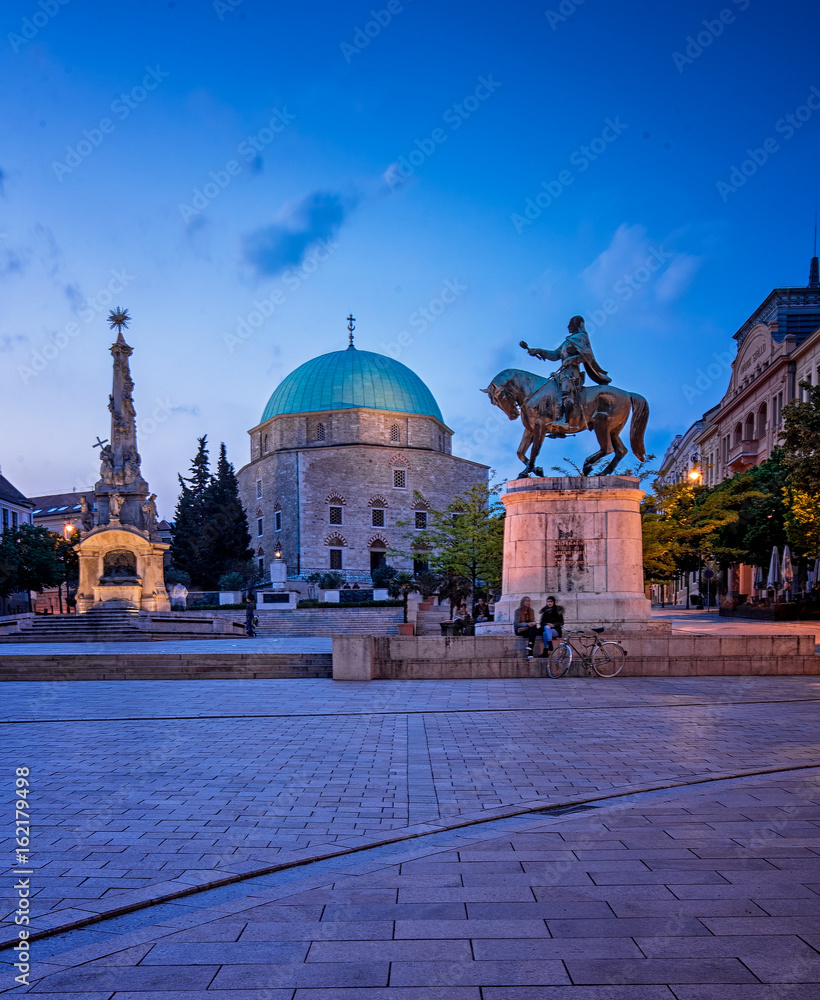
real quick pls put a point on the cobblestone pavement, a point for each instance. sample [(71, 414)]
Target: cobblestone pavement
[(697, 893), (145, 790), (684, 620)]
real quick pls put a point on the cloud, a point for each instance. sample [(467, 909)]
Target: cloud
[(675, 280), (190, 408), (630, 252), (318, 216), (76, 299), (626, 251), (9, 340)]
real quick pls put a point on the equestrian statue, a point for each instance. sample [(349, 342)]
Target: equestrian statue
[(561, 404)]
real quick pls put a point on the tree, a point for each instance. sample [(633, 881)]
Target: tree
[(186, 541), (401, 586), (801, 440), (683, 522), (226, 523), (210, 535), (29, 560), (466, 539)]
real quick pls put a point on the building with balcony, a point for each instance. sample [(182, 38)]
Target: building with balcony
[(778, 347)]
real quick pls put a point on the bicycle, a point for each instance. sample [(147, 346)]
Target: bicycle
[(605, 658)]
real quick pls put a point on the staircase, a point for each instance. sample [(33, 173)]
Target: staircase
[(99, 625), (328, 621), (428, 621)]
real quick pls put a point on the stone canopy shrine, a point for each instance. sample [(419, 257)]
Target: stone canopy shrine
[(121, 552)]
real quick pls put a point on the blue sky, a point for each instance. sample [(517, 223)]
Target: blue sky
[(201, 162)]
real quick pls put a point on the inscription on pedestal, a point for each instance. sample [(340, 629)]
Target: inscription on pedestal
[(569, 556)]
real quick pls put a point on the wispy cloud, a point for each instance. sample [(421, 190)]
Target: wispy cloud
[(318, 216), (8, 341)]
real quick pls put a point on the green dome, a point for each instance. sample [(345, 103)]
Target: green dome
[(347, 379)]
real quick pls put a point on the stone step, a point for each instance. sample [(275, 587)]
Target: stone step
[(164, 666)]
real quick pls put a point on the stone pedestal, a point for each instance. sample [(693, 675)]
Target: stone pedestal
[(579, 540), (144, 589)]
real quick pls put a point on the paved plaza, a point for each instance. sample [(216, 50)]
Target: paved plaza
[(496, 840)]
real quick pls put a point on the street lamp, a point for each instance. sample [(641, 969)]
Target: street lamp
[(68, 529), (695, 475)]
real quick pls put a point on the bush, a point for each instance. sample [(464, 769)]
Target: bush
[(231, 581), (173, 576), (382, 575), (330, 581)]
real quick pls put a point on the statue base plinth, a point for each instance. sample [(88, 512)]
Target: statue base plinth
[(577, 539), (145, 590)]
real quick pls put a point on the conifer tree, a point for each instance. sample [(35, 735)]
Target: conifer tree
[(226, 524), (187, 549), (211, 534)]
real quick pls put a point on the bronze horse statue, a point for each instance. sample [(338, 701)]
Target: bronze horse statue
[(603, 409)]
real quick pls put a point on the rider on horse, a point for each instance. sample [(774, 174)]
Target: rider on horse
[(575, 351)]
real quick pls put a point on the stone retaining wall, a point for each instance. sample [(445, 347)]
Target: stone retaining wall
[(677, 654)]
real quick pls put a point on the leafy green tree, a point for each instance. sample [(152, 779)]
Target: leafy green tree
[(466, 539), (684, 522), (801, 440), (30, 560), (761, 521)]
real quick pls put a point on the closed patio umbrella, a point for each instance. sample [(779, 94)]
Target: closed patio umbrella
[(760, 578), (774, 578), (815, 575), (787, 570)]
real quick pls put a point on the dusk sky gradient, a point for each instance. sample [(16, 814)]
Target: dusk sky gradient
[(320, 134)]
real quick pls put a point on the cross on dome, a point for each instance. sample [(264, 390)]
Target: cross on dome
[(351, 326)]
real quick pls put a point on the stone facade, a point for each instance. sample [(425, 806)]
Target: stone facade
[(778, 346), (329, 489)]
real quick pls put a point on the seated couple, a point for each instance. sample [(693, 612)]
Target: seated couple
[(551, 623)]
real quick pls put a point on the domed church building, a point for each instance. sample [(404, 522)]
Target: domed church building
[(344, 444)]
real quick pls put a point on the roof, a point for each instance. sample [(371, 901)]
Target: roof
[(59, 503), (11, 494), (349, 379)]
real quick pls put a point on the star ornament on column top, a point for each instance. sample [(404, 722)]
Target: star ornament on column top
[(119, 318)]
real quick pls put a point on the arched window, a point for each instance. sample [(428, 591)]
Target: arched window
[(320, 432), (335, 545), (749, 432), (762, 420), (265, 445), (395, 434), (738, 433)]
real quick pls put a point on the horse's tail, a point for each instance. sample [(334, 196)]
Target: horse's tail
[(640, 416)]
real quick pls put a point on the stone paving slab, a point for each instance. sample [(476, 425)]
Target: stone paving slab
[(129, 809), (260, 949)]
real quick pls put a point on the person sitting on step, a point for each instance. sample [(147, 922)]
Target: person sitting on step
[(524, 624)]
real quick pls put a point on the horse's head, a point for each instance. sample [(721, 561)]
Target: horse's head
[(503, 397)]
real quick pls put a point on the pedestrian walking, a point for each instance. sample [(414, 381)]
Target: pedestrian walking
[(250, 609)]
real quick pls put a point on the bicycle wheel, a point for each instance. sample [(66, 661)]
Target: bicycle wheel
[(559, 660), (608, 659)]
